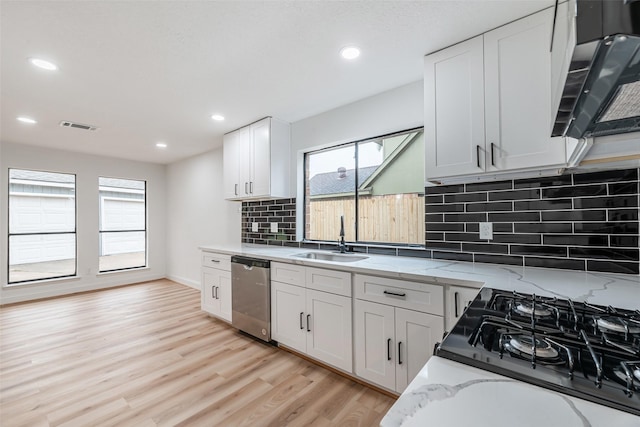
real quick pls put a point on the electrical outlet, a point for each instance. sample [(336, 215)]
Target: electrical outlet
[(254, 227), (486, 230), (274, 227)]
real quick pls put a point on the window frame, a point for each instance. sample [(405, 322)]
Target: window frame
[(10, 234), (355, 194), (101, 231)]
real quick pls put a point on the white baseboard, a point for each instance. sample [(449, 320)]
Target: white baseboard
[(184, 281)]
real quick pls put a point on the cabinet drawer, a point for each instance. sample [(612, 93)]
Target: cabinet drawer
[(423, 297), (219, 261), (288, 273), (336, 282)]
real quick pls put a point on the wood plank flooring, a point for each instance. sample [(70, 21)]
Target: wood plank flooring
[(146, 355)]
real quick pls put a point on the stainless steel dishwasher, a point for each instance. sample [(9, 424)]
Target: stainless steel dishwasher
[(251, 296)]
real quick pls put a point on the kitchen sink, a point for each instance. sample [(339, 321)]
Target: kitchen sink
[(331, 257)]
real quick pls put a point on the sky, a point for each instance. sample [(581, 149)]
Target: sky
[(370, 154)]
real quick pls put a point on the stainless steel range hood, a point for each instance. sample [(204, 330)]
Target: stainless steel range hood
[(596, 68)]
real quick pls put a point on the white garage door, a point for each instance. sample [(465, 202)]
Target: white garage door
[(41, 214), (121, 215)]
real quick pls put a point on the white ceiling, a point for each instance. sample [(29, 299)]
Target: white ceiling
[(151, 71)]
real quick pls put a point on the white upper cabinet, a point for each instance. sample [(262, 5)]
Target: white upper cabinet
[(231, 162), (488, 103), (454, 110), (256, 161), (518, 95)]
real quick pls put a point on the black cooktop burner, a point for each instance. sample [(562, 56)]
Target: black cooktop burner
[(584, 350)]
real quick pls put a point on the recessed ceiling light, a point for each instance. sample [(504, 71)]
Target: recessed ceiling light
[(26, 120), (161, 145), (41, 63), (350, 52), (217, 117)]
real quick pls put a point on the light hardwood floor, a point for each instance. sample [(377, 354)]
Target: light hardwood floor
[(146, 355)]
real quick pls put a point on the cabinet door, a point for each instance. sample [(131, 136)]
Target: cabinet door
[(288, 315), (245, 161), (223, 294), (456, 302), (231, 165), (518, 95), (454, 110), (329, 331), (375, 343), (261, 156), (208, 300), (416, 335)]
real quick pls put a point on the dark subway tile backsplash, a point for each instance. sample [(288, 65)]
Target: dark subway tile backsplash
[(586, 221), (263, 213)]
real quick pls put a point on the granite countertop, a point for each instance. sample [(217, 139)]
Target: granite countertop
[(447, 393)]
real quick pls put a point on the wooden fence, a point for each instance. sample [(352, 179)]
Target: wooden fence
[(392, 218)]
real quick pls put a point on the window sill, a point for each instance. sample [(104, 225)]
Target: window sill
[(127, 270), (43, 281), (372, 248)]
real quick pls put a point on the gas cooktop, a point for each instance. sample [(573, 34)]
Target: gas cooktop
[(583, 350)]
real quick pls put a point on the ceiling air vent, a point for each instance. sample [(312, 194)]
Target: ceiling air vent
[(67, 124)]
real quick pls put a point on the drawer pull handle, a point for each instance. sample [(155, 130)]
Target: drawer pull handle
[(477, 155), (213, 295), (399, 354), (455, 303), (301, 325), (389, 349), (217, 292), (235, 189), (215, 260), (308, 328), (395, 294)]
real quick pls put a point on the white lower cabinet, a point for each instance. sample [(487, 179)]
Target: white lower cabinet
[(313, 322), (392, 343), (374, 337), (216, 292)]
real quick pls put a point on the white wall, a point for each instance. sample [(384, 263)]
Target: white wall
[(197, 214), (87, 169)]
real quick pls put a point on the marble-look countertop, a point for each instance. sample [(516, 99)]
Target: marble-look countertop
[(617, 290), (447, 393)]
